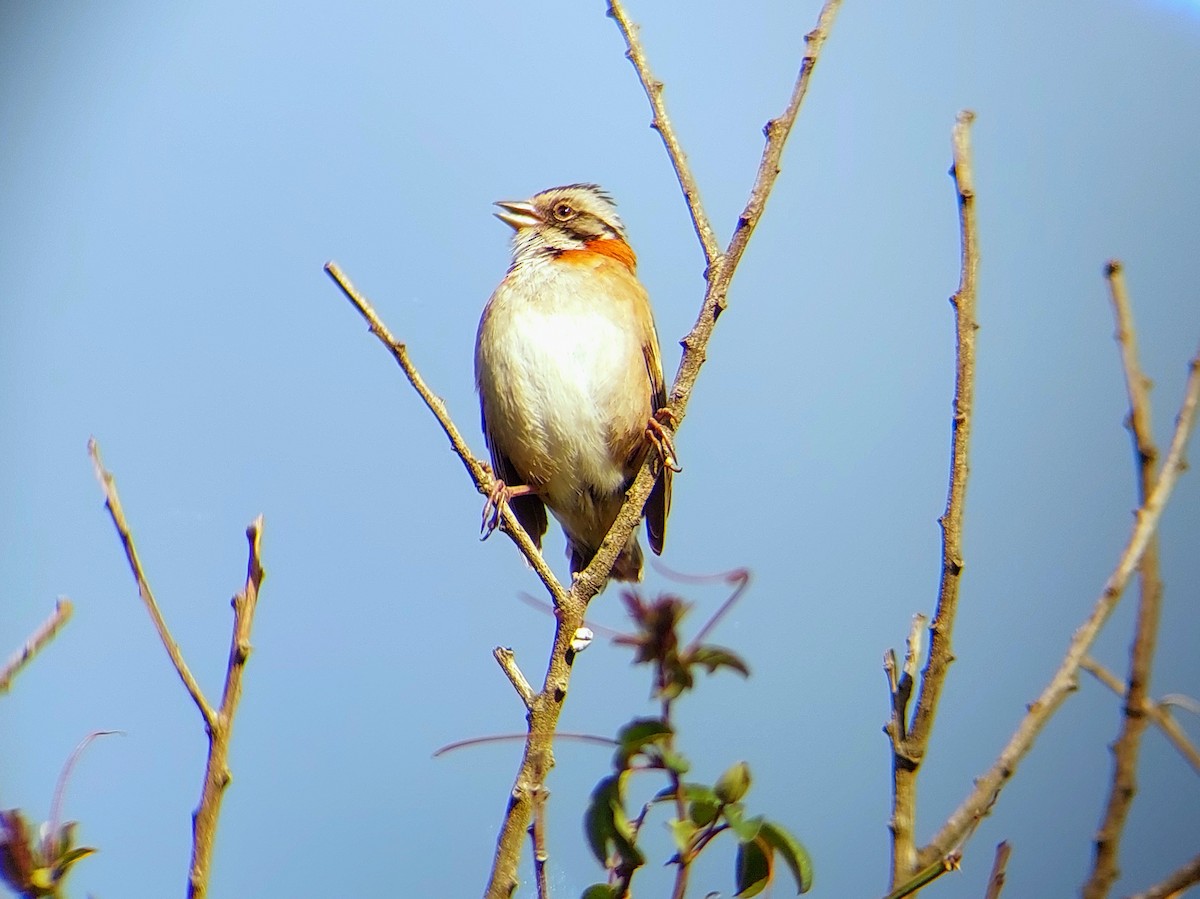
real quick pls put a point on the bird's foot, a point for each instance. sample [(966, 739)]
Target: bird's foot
[(660, 439), (497, 499)]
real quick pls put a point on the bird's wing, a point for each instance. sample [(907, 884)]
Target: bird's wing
[(529, 509), (658, 506)]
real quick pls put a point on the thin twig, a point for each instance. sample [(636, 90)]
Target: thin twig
[(113, 503), (219, 722), (907, 757), (592, 739), (216, 771), (928, 875), (1176, 882), (988, 786), (1158, 712), (480, 473), (662, 124), (35, 642), (507, 661), (1105, 870), (999, 866)]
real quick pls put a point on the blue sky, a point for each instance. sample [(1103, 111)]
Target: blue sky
[(172, 180)]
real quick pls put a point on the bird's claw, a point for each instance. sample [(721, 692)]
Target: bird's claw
[(661, 439), (493, 508)]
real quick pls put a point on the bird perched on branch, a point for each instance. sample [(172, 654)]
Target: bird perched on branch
[(569, 377)]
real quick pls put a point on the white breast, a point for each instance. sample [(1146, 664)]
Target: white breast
[(560, 372)]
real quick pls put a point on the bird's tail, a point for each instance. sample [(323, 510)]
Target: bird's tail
[(628, 566)]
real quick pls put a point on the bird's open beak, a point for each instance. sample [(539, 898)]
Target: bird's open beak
[(518, 214)]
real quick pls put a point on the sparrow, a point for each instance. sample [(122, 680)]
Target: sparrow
[(570, 379)]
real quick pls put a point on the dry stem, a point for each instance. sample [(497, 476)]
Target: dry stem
[(996, 878), (479, 471), (1105, 870), (1174, 885), (908, 752), (988, 786), (218, 722), (1158, 712), (35, 643)]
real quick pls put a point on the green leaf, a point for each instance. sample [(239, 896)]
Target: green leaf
[(624, 837), (598, 823), (599, 891), (745, 828), (692, 792), (635, 736), (703, 812), (793, 853), (682, 832), (674, 761), (714, 657), (753, 868), (734, 784), (64, 862)]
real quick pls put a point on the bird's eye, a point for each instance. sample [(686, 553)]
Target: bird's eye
[(563, 211)]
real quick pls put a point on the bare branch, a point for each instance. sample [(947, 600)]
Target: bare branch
[(480, 473), (988, 786), (927, 875), (1105, 870), (507, 661), (662, 124), (219, 722), (907, 757), (1179, 880), (999, 865), (35, 642), (1158, 712), (113, 503), (216, 771)]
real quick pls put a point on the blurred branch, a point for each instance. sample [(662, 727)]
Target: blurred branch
[(999, 866), (927, 875), (910, 751), (1158, 712), (988, 786), (480, 473), (35, 643), (1105, 870), (537, 834), (1179, 880), (218, 722)]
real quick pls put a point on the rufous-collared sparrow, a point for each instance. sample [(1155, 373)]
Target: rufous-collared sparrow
[(569, 377)]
